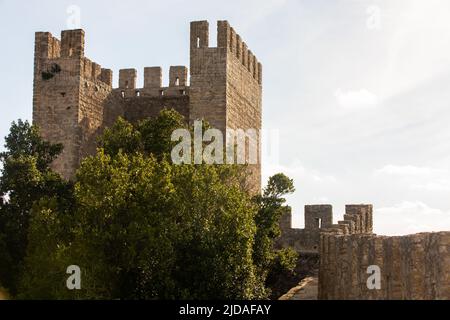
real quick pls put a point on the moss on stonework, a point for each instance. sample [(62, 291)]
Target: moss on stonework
[(54, 69)]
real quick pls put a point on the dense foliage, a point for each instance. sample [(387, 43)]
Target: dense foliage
[(26, 179), (138, 226)]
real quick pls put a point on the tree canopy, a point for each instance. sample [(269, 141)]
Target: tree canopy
[(138, 226)]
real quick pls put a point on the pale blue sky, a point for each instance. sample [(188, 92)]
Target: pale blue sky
[(359, 90)]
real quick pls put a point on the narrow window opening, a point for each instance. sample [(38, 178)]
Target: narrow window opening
[(319, 222), (183, 92), (177, 81), (122, 93), (63, 94), (161, 92), (126, 84), (138, 93), (198, 42)]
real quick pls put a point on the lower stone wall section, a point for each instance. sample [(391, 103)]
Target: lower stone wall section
[(414, 267)]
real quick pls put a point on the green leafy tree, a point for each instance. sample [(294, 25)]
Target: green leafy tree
[(161, 230), (148, 229), (156, 133), (122, 136), (269, 261), (139, 226), (149, 136), (26, 177), (48, 253)]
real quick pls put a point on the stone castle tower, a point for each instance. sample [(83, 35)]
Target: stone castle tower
[(74, 99)]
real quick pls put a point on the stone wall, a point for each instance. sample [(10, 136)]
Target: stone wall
[(226, 86), (74, 99), (208, 78), (319, 219), (243, 91), (141, 103), (95, 89), (56, 100), (301, 240), (412, 267)]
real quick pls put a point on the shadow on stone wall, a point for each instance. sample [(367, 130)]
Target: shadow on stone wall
[(307, 265)]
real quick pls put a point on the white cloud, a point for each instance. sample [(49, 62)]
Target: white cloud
[(373, 21), (407, 170), (426, 179), (297, 172), (356, 99), (416, 50), (258, 10), (434, 186), (409, 218)]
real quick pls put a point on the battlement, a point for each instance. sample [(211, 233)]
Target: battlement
[(71, 45), (178, 77), (153, 82), (47, 46), (227, 39), (318, 216), (358, 219), (95, 72), (66, 56), (319, 220)]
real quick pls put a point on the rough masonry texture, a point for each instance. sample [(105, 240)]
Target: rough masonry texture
[(74, 99), (318, 219), (414, 267)]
